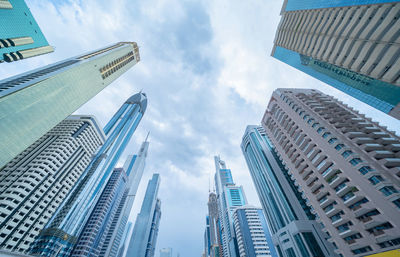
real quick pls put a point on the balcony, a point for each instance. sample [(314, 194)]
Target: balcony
[(371, 129), (364, 140), (373, 147), (336, 181), (393, 147), (389, 140), (357, 134), (391, 162), (380, 154), (379, 134)]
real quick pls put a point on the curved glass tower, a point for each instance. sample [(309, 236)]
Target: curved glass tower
[(61, 233)]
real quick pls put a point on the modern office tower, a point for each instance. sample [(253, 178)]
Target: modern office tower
[(35, 182), (54, 92), (347, 165), (61, 233), (144, 234), (94, 233), (207, 241), (166, 252), (134, 167), (292, 225), (252, 232), (21, 36), (215, 248), (350, 45), (229, 197), (125, 239)]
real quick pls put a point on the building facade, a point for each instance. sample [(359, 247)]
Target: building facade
[(21, 36), (344, 163), (134, 168), (55, 91), (292, 224), (252, 233), (33, 184), (144, 234), (350, 45), (61, 233), (229, 197)]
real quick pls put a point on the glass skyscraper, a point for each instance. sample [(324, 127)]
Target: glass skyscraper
[(34, 102), (229, 197), (61, 233), (144, 234), (350, 45), (290, 219), (21, 36), (34, 183)]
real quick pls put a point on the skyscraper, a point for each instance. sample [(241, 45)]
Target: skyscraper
[(144, 234), (291, 221), (215, 248), (207, 240), (54, 92), (134, 169), (229, 197), (345, 164), (252, 233), (21, 36), (35, 182), (62, 231), (350, 45)]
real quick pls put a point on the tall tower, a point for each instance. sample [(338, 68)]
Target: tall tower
[(134, 168), (229, 197), (35, 182), (144, 234), (344, 163), (252, 233), (290, 219), (214, 231), (21, 36), (350, 45), (54, 92), (62, 231)]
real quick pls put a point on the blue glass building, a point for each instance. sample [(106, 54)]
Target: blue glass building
[(348, 44), (61, 233), (20, 36), (144, 234), (229, 197), (291, 221), (34, 102)]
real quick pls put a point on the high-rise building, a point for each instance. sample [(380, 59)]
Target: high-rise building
[(125, 239), (144, 234), (350, 45), (61, 233), (207, 240), (21, 36), (229, 197), (54, 92), (134, 169), (346, 165), (166, 252), (33, 184), (292, 224), (252, 233), (215, 248)]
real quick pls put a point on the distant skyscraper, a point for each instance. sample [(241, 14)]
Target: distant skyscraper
[(207, 240), (134, 169), (344, 163), (54, 92), (62, 231), (290, 220), (144, 234), (21, 36), (214, 227), (229, 197), (33, 184), (350, 45), (252, 233), (166, 252)]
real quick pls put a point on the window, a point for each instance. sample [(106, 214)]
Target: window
[(312, 244), (344, 227), (362, 250), (340, 186), (388, 190), (355, 161), (339, 147), (315, 125), (376, 179), (347, 196), (302, 247), (320, 130), (332, 140), (326, 134), (397, 203), (355, 205), (365, 169), (347, 153)]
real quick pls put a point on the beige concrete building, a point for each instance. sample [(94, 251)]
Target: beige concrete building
[(347, 165)]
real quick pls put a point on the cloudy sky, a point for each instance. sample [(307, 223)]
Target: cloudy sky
[(207, 71)]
